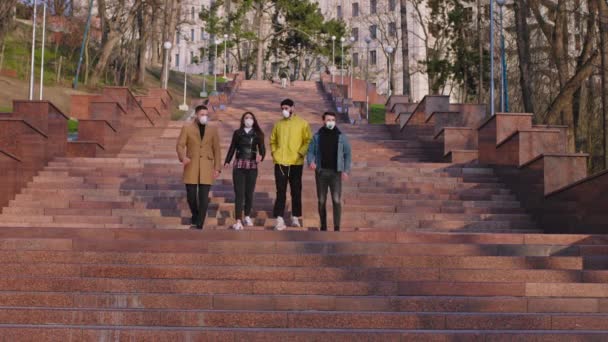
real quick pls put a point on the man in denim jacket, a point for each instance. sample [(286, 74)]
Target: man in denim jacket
[(329, 155)]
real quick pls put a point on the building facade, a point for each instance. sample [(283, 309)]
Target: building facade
[(380, 21)]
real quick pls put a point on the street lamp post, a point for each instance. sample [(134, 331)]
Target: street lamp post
[(205, 70), (367, 41), (184, 106), (504, 88), (31, 93), (342, 39), (217, 42), (492, 111), (225, 54), (333, 55), (167, 46), (352, 70), (389, 52), (42, 50)]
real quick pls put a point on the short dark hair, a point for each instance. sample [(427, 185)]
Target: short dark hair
[(329, 114), (199, 107), (287, 102)]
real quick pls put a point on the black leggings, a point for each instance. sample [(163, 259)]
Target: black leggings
[(244, 186), (198, 204)]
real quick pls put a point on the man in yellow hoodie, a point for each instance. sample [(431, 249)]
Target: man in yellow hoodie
[(289, 145)]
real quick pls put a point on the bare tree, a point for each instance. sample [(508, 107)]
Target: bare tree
[(603, 29), (521, 9), (7, 15), (117, 17), (405, 52), (385, 21)]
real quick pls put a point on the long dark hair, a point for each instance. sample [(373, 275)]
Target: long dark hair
[(256, 126)]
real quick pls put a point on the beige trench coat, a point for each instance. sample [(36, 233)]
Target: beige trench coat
[(205, 154)]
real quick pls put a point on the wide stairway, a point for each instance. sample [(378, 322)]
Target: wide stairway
[(95, 249)]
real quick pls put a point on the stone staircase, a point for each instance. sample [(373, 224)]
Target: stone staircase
[(392, 187), (418, 259)]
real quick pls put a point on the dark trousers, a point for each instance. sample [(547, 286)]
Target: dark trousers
[(291, 175), (332, 180), (198, 200), (244, 186)]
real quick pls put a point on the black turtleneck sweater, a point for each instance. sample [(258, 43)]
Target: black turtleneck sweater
[(328, 144)]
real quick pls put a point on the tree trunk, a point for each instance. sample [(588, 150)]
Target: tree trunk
[(405, 50), (603, 10), (481, 60), (7, 11), (523, 51), (142, 45), (259, 70), (104, 57)]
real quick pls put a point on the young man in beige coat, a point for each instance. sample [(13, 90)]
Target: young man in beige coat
[(198, 149)]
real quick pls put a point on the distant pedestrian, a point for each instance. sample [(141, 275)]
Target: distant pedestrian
[(284, 79)]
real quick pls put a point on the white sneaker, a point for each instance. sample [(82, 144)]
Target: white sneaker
[(237, 226), (295, 222), (248, 221), (280, 224)]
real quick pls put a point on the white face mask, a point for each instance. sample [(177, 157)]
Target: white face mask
[(286, 113), (248, 123), (330, 124), (203, 119)]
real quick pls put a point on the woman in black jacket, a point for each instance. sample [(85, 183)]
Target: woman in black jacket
[(248, 145)]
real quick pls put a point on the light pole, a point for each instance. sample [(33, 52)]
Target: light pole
[(492, 112), (184, 106), (167, 46), (205, 70), (298, 66), (217, 42), (42, 49), (352, 70), (31, 93), (333, 56), (225, 54), (342, 39), (389, 51), (504, 88), (367, 41)]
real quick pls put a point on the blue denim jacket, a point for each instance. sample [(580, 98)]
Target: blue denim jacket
[(344, 153)]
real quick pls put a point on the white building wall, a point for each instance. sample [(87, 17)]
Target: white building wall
[(378, 73)]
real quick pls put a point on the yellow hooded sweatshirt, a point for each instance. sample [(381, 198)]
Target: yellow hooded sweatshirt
[(289, 141)]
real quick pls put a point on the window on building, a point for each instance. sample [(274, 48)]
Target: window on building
[(373, 30), (373, 57), (392, 29), (355, 59), (192, 35), (191, 57), (468, 14), (392, 5), (192, 14), (354, 32), (339, 11), (373, 4), (177, 37), (202, 33), (355, 9), (177, 60)]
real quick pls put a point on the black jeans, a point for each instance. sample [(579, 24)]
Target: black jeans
[(198, 204), (244, 186), (333, 180), (282, 176)]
